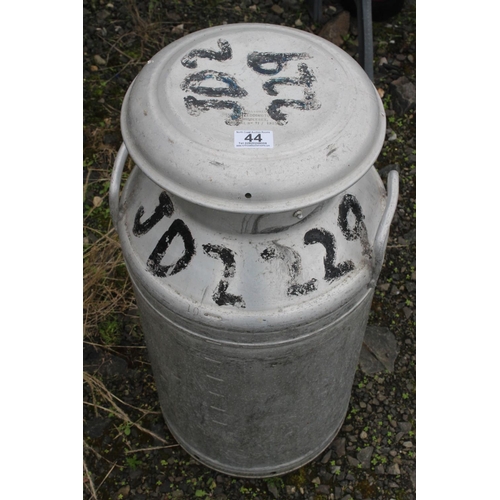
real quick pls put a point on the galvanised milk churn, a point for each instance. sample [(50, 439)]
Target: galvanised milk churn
[(253, 227)]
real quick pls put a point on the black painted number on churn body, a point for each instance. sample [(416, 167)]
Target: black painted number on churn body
[(325, 238), (221, 296), (348, 205), (178, 228), (165, 208), (293, 261)]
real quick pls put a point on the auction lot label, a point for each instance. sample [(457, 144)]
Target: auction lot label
[(253, 139)]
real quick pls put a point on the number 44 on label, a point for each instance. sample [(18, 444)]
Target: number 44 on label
[(253, 139)]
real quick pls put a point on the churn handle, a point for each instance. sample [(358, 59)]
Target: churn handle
[(382, 235), (114, 186)]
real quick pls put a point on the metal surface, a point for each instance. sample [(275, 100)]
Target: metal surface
[(254, 314), (180, 116), (365, 35)]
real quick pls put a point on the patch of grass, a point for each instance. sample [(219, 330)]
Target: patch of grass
[(133, 462), (107, 290)]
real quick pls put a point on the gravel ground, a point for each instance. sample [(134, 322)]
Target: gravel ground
[(128, 450)]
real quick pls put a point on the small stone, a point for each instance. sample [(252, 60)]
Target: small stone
[(379, 351), (382, 61), (408, 312), (363, 435), (399, 435), (391, 135), (404, 95), (277, 9), (407, 444), (393, 470), (273, 490), (405, 426), (123, 491), (299, 23), (99, 60), (364, 456), (97, 201), (410, 58), (381, 92), (413, 477), (102, 14), (290, 490), (335, 30), (316, 480), (411, 236), (400, 57), (327, 477), (323, 489), (326, 457), (177, 494), (94, 68), (379, 469), (178, 30), (352, 461), (339, 447)]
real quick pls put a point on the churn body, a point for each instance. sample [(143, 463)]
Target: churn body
[(253, 227)]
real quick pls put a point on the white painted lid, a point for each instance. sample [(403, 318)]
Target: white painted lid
[(188, 118)]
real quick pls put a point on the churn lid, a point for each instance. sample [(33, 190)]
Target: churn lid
[(253, 118)]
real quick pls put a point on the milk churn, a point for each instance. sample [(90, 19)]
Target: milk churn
[(253, 227)]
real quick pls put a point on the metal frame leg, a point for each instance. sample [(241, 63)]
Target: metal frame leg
[(365, 36), (315, 9)]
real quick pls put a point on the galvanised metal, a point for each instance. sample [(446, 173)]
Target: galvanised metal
[(254, 228)]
